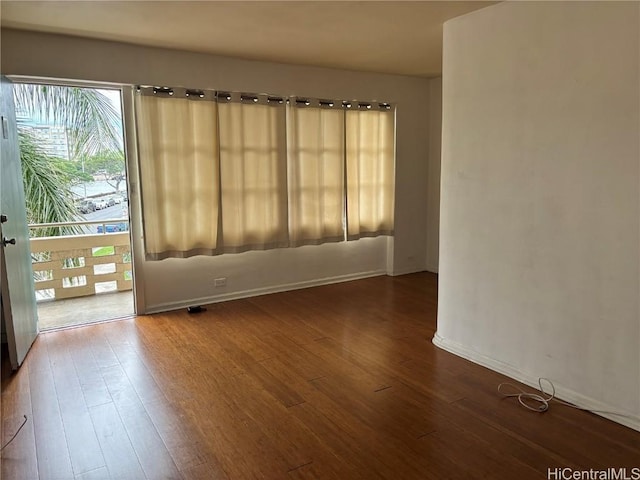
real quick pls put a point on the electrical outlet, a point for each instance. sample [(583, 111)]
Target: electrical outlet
[(220, 282)]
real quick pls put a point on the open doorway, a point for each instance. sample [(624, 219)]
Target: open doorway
[(72, 154)]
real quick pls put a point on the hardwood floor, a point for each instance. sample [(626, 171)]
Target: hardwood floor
[(340, 381)]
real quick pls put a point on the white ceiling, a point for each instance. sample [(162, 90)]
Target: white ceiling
[(380, 36)]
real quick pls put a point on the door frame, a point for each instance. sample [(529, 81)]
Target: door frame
[(131, 166)]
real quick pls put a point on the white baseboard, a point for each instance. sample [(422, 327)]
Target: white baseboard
[(165, 307), (406, 271), (630, 420)]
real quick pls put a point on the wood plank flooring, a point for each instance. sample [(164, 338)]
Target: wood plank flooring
[(334, 382)]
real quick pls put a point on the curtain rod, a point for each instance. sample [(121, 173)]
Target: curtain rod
[(258, 98)]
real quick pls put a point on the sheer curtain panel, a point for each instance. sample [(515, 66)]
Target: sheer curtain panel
[(316, 172), (253, 170), (179, 173), (370, 159)]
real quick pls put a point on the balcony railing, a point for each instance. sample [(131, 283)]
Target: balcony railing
[(70, 266)]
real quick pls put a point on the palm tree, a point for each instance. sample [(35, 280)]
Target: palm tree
[(92, 125), (91, 121), (46, 189)]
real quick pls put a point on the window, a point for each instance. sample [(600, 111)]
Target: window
[(253, 172), (370, 171), (179, 166), (316, 172), (230, 172)]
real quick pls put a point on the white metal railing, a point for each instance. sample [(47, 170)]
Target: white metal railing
[(69, 266)]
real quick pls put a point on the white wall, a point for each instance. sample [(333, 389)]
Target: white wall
[(433, 186), (173, 283), (540, 244)]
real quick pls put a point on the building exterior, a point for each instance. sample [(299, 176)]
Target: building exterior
[(53, 138)]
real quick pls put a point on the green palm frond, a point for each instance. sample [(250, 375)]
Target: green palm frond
[(92, 122), (46, 186)]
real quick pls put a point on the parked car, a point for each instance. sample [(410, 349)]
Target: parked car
[(100, 204), (111, 201), (118, 199), (113, 227), (86, 206)]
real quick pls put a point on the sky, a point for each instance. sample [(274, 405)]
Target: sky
[(114, 96)]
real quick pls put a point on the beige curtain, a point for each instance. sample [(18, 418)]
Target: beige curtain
[(179, 174), (253, 173), (316, 173), (370, 155), (229, 173)]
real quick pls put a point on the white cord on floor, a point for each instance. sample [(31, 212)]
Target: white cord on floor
[(541, 398), (541, 401)]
